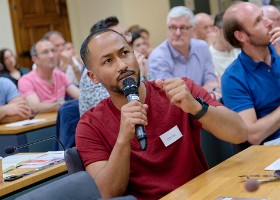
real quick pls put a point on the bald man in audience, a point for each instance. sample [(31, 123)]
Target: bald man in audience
[(203, 29), (45, 87), (272, 13)]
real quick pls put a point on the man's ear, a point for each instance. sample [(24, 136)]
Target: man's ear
[(93, 77), (239, 35), (34, 58)]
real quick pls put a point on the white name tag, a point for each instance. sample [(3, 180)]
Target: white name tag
[(171, 136)]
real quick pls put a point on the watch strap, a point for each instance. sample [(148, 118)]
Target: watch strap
[(202, 111)]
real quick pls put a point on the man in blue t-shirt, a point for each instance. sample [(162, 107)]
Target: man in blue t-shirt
[(251, 84), (12, 106)]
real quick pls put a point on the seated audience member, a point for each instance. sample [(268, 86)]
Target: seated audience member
[(223, 54), (203, 27), (11, 69), (92, 93), (66, 60), (12, 107), (1, 68), (105, 135), (183, 56), (76, 59), (138, 44), (272, 13), (144, 33), (45, 87), (250, 85)]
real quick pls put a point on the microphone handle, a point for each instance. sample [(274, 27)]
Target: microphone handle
[(139, 129), (141, 136), (42, 140)]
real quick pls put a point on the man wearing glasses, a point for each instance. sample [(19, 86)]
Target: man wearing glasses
[(183, 56)]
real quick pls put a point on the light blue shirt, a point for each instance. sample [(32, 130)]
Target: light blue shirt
[(166, 62), (8, 91)]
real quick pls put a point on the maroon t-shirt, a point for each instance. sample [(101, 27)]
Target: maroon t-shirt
[(158, 170)]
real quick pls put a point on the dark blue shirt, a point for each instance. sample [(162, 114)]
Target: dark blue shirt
[(248, 84)]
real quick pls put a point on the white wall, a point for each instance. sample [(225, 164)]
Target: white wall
[(149, 14), (6, 33)]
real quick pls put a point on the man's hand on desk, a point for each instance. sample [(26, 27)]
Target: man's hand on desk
[(15, 110)]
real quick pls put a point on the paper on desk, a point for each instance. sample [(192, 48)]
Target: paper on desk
[(49, 158), (274, 166), (273, 142), (25, 122), (13, 160)]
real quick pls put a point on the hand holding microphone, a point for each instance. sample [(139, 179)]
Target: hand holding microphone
[(131, 93)]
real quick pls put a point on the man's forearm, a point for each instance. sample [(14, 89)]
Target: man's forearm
[(10, 119), (46, 107), (225, 124), (112, 180), (2, 113), (262, 128)]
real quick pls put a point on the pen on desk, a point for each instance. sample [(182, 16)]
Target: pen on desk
[(46, 166), (11, 168)]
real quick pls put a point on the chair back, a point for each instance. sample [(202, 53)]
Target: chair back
[(214, 149), (75, 186), (68, 117), (73, 161)]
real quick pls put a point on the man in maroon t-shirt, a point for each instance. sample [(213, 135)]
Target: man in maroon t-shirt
[(168, 109)]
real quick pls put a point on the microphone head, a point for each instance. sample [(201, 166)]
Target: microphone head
[(129, 86), (10, 150), (251, 185)]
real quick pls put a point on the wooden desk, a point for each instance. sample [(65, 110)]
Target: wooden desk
[(49, 117), (15, 136), (222, 180), (9, 187)]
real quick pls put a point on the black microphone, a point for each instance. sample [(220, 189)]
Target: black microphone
[(12, 149), (131, 93)]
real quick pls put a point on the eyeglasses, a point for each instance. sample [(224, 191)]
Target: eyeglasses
[(182, 28)]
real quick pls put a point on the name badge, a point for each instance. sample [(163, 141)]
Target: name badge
[(171, 136)]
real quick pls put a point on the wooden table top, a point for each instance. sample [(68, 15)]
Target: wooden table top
[(9, 187), (49, 117), (222, 180)]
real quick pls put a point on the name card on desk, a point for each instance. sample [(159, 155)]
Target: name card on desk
[(25, 122), (274, 166)]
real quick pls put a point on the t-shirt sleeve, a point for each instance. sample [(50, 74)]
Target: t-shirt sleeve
[(90, 143), (25, 86), (235, 94), (10, 90), (64, 78)]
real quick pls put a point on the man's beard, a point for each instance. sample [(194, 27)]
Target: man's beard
[(119, 90)]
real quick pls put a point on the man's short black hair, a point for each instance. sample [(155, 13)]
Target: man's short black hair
[(105, 23), (84, 51)]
